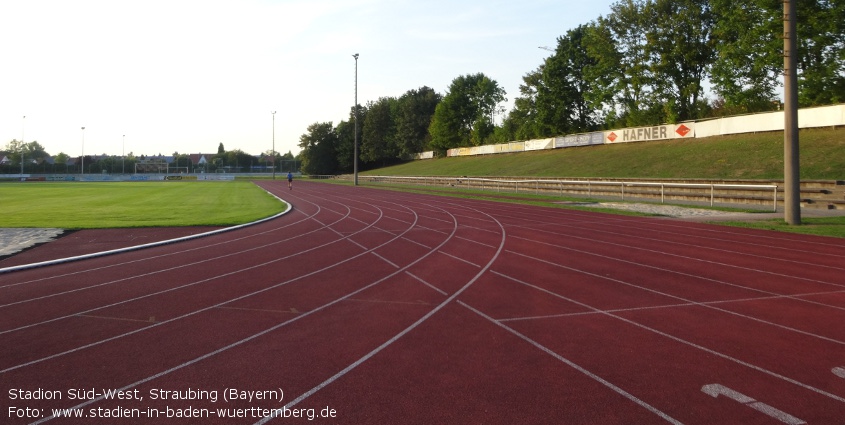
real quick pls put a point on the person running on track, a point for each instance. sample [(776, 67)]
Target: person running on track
[(290, 181)]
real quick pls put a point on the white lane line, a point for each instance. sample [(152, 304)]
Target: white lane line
[(259, 334), (704, 247), (575, 366), (680, 340), (389, 342), (442, 292), (32, 362), (712, 307), (158, 292), (680, 305)]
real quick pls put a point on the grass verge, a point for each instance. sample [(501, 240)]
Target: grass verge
[(69, 205)]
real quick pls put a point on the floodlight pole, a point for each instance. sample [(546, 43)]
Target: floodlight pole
[(791, 174), (23, 131), (355, 154), (273, 152), (82, 158), (123, 161)]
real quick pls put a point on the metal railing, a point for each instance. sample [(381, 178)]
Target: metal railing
[(709, 190)]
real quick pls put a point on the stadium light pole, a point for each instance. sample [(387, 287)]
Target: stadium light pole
[(82, 158), (355, 157), (273, 152), (123, 161), (791, 174), (23, 131)]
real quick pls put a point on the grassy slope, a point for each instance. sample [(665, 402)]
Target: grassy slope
[(133, 204), (748, 156)]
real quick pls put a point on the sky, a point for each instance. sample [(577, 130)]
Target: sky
[(156, 77)]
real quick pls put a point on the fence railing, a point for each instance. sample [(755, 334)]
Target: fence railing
[(712, 192)]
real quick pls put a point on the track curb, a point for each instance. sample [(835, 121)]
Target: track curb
[(145, 246)]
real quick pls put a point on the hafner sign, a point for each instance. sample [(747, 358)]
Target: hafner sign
[(644, 134)]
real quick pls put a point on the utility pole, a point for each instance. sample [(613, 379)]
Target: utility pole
[(791, 174)]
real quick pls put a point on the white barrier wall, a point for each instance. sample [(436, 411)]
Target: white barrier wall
[(585, 139), (536, 145), (823, 116)]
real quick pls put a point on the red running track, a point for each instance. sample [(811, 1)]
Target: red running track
[(364, 306)]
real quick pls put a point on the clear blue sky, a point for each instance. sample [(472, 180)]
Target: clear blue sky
[(186, 75)]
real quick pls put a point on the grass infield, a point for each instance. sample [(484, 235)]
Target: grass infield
[(69, 205)]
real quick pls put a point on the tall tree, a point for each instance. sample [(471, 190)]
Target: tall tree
[(521, 121), (415, 111), (562, 106), (345, 130), (747, 72), (623, 82), (748, 64), (465, 116), (318, 149), (378, 143), (821, 35), (681, 51)]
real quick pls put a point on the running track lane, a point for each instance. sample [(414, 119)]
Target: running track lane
[(402, 308)]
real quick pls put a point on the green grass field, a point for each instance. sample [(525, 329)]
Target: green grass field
[(69, 205)]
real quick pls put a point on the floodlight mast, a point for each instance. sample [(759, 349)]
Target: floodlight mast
[(273, 152), (355, 154), (23, 147), (82, 158)]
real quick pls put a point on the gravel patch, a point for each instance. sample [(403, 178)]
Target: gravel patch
[(664, 210), (13, 240)]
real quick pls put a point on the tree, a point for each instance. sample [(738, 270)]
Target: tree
[(623, 83), (25, 152), (521, 122), (318, 149), (345, 149), (465, 116), (378, 142), (415, 112), (561, 102), (748, 70), (680, 50), (749, 54), (821, 35)]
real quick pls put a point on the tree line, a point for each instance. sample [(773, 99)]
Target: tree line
[(32, 157), (646, 63)]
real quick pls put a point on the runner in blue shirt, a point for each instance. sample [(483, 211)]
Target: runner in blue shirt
[(290, 181)]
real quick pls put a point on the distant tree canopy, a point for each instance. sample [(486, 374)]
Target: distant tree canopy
[(647, 62)]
